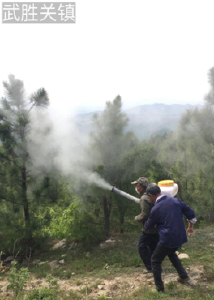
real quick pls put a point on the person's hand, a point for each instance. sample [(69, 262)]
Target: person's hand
[(190, 231), (135, 218), (190, 228)]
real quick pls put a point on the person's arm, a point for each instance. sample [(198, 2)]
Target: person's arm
[(190, 230), (145, 211), (152, 220), (190, 214), (191, 222)]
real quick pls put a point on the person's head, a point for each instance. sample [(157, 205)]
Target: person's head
[(141, 185), (153, 190)]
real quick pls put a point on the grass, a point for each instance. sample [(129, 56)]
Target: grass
[(174, 293), (77, 260), (123, 260)]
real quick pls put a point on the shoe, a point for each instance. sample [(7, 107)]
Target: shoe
[(186, 281), (148, 271), (162, 291)]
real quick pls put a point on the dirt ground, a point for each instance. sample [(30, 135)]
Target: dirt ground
[(118, 287)]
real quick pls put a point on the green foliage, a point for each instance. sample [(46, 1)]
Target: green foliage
[(109, 140), (71, 223), (53, 282), (202, 223), (187, 156), (17, 279), (42, 294), (109, 144), (40, 98), (11, 228), (15, 171)]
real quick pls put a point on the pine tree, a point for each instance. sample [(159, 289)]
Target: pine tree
[(15, 125), (110, 143)]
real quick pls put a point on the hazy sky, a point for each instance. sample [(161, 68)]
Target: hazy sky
[(147, 51)]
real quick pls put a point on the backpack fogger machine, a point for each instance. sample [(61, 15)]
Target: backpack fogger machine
[(168, 187)]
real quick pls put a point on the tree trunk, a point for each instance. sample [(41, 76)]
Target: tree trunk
[(186, 168), (24, 195), (107, 212), (122, 214)]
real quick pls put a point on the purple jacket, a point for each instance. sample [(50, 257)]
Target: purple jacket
[(167, 214)]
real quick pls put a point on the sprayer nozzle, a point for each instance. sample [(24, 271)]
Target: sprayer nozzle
[(121, 193)]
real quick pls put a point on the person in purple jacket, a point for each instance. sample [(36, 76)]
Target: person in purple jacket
[(167, 215)]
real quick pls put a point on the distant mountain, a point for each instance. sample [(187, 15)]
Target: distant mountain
[(144, 120)]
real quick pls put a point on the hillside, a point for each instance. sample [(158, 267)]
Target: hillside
[(113, 270), (144, 120)]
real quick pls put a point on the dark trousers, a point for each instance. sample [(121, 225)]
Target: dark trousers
[(158, 256), (146, 246)]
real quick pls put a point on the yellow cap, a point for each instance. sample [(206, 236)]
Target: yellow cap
[(166, 183)]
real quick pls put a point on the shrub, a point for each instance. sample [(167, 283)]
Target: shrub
[(17, 279), (42, 294)]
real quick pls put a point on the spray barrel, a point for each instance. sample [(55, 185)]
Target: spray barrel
[(126, 195), (168, 187)]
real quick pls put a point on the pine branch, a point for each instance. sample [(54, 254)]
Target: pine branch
[(39, 99), (4, 198)]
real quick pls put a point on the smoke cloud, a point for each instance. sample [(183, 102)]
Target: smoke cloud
[(56, 145)]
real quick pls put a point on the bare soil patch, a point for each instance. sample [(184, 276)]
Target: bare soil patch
[(118, 287)]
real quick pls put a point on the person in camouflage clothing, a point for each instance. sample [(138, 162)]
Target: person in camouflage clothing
[(149, 238)]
